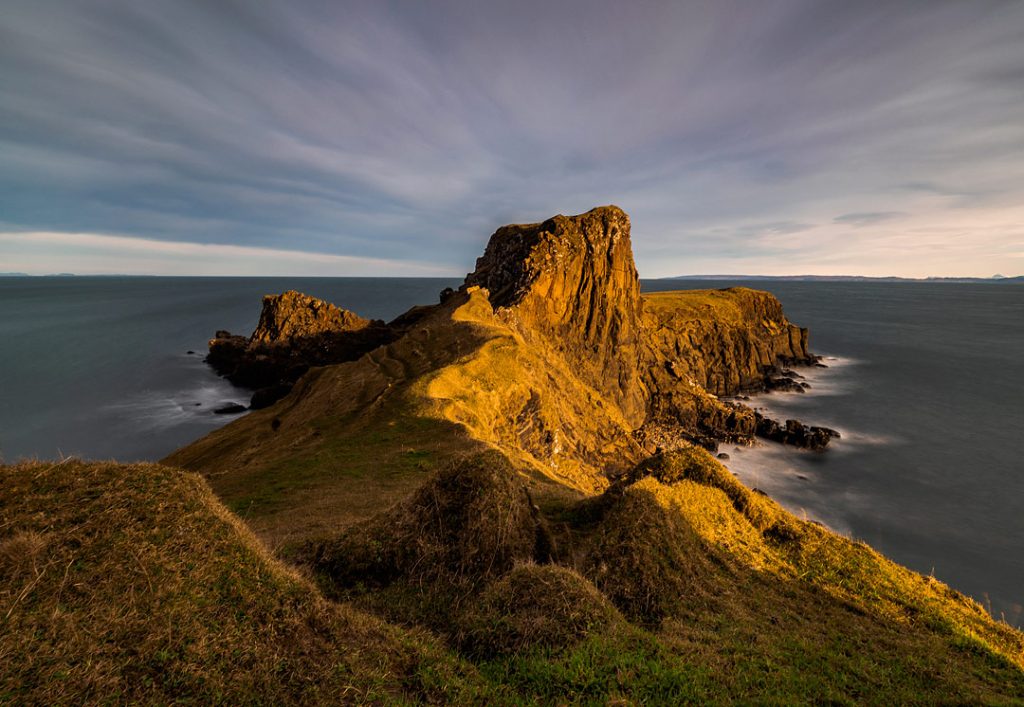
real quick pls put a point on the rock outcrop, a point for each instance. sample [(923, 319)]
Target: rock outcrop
[(572, 280), (795, 433), (293, 315), (295, 331), (569, 290), (727, 341), (699, 345)]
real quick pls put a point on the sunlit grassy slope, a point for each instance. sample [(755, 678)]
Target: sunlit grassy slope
[(677, 583), (452, 547), (133, 584)]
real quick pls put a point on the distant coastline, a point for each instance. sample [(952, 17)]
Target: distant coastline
[(995, 279), (998, 279)]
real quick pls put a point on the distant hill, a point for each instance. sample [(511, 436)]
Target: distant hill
[(848, 278), (25, 274)]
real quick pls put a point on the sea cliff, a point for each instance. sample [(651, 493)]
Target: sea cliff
[(506, 496)]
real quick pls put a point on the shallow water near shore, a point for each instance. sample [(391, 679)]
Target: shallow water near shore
[(925, 382)]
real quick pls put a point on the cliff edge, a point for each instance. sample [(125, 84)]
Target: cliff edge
[(518, 476)]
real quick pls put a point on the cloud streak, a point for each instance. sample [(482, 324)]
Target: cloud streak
[(97, 254), (869, 218), (399, 132)]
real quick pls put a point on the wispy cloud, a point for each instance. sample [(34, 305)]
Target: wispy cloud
[(867, 218), (393, 130), (97, 254)]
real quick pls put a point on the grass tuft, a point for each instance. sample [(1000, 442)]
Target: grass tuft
[(534, 606), (473, 520), (133, 584)]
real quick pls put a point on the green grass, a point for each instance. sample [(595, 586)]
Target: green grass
[(331, 471), (733, 306), (388, 451), (631, 667), (132, 584), (489, 580)]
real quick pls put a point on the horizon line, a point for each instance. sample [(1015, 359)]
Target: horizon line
[(929, 278)]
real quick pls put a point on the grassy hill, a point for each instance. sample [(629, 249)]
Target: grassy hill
[(478, 512), (133, 584)]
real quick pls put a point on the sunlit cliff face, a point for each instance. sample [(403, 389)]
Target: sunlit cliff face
[(788, 137)]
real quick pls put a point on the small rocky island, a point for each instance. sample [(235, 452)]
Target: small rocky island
[(504, 497)]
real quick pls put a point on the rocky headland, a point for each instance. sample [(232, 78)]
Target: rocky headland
[(569, 285), (505, 497)]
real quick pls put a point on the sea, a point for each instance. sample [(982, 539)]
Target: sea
[(925, 382)]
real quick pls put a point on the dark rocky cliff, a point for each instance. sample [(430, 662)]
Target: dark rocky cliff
[(293, 315), (295, 332), (569, 288), (725, 355)]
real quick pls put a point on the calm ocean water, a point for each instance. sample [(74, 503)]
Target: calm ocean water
[(98, 367), (926, 383)]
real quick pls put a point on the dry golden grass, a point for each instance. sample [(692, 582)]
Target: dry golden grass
[(768, 539), (472, 521), (733, 306), (125, 584), (21, 554), (719, 594), (727, 596), (523, 398), (133, 584), (534, 607)]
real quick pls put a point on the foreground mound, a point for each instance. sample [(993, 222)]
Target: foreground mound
[(133, 584), (708, 590), (473, 520), (535, 607)]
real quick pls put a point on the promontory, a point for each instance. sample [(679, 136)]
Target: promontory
[(504, 497)]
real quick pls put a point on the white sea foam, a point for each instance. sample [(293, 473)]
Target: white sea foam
[(786, 475), (836, 380), (790, 475), (158, 411)]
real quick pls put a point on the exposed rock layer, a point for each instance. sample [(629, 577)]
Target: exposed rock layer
[(725, 355), (293, 315), (624, 372), (571, 279)]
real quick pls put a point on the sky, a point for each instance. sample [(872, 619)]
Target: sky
[(392, 138)]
